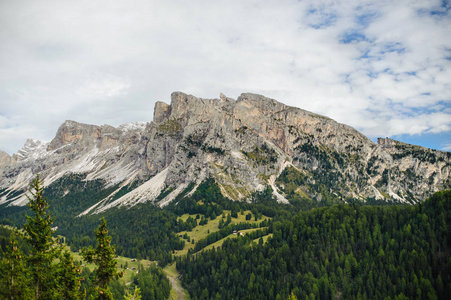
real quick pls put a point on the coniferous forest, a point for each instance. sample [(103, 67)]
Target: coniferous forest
[(345, 251), (303, 250)]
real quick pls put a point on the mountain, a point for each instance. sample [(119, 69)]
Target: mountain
[(245, 145)]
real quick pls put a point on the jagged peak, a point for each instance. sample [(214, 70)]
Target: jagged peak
[(161, 111), (4, 154), (32, 148), (5, 159)]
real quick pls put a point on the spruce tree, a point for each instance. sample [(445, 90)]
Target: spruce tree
[(103, 257), (69, 280), (39, 275), (14, 277), (44, 251)]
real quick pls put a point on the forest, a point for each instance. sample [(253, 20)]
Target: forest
[(304, 250), (342, 251)]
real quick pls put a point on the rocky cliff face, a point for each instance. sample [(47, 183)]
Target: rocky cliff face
[(245, 144)]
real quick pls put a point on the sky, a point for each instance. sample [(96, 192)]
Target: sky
[(382, 67)]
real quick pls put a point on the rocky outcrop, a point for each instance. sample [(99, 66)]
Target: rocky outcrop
[(5, 159), (113, 154), (245, 144)]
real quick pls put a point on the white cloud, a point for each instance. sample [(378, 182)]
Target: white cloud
[(103, 87), (109, 61)]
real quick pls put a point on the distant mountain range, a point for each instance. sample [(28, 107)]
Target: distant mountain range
[(246, 145)]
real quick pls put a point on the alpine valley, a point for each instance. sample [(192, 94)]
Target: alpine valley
[(241, 199)]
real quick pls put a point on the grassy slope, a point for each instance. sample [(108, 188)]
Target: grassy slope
[(200, 232), (121, 260)]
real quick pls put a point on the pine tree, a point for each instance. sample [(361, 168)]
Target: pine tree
[(14, 279), (69, 278), (103, 257), (39, 236)]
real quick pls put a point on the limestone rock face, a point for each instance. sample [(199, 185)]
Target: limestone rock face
[(5, 159), (244, 144), (102, 152)]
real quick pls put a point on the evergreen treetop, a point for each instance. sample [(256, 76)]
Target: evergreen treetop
[(39, 236), (103, 257)]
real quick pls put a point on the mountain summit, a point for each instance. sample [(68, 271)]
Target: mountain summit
[(245, 144)]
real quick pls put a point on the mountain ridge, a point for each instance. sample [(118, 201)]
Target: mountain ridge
[(244, 144)]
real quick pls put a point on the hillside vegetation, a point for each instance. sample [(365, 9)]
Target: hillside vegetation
[(302, 249), (345, 251)]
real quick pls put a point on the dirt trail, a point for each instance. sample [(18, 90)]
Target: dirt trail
[(177, 288)]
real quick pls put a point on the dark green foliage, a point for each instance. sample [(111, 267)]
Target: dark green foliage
[(187, 225), (72, 194), (43, 273), (291, 176), (203, 221), (349, 251), (67, 197), (14, 276), (290, 182), (39, 236), (144, 230), (103, 257), (213, 202), (152, 282), (69, 278), (5, 238), (13, 215)]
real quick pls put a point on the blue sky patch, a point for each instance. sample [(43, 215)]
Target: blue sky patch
[(353, 37), (438, 141), (366, 18)]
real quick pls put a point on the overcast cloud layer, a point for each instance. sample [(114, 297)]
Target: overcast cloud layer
[(383, 67)]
